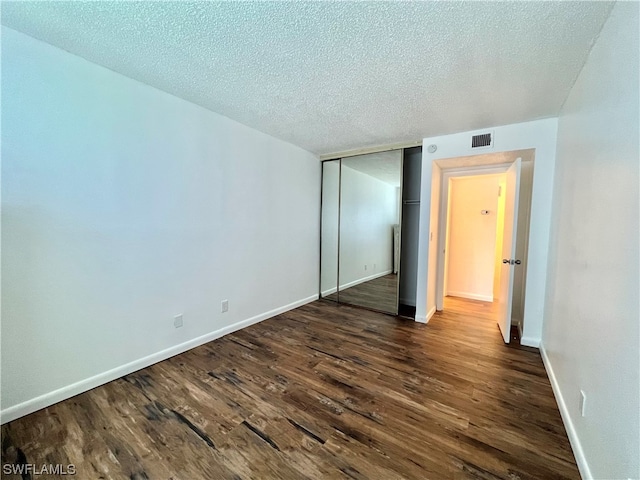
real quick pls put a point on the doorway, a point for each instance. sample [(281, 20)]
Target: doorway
[(471, 257), (473, 229)]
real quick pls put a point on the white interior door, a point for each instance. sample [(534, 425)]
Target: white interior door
[(509, 260)]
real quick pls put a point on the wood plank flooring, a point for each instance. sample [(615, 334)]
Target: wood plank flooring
[(378, 294), (323, 391)]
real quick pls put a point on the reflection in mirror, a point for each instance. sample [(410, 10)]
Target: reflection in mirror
[(329, 240), (370, 206)]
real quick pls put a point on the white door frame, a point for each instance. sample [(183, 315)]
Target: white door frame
[(538, 138), (447, 174)]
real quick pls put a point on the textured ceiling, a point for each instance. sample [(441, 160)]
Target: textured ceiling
[(385, 166), (332, 76)]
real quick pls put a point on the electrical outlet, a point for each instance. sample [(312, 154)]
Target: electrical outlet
[(374, 267), (225, 306), (583, 403), (365, 268), (177, 321)]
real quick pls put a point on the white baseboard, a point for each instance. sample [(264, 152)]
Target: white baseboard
[(355, 282), (529, 341), (365, 279), (331, 291), (48, 399), (427, 317), (574, 440), (471, 296)]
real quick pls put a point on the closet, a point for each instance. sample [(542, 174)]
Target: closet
[(369, 230)]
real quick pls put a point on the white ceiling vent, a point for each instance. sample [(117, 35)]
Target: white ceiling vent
[(483, 140)]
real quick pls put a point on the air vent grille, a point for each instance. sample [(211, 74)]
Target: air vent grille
[(483, 140)]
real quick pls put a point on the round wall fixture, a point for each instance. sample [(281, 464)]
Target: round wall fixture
[(432, 148)]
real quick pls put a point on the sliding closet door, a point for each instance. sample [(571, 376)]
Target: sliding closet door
[(329, 230), (369, 230)]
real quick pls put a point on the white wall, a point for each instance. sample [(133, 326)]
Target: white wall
[(427, 241), (540, 135), (497, 269), (472, 237), (591, 331), (368, 211), (123, 206)]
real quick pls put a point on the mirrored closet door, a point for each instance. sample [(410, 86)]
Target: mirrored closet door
[(361, 218), (329, 230)]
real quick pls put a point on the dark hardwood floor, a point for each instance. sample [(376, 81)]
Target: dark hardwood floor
[(484, 310), (378, 294), (323, 391)]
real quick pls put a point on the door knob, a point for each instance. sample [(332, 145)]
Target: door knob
[(517, 262), (505, 260)]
